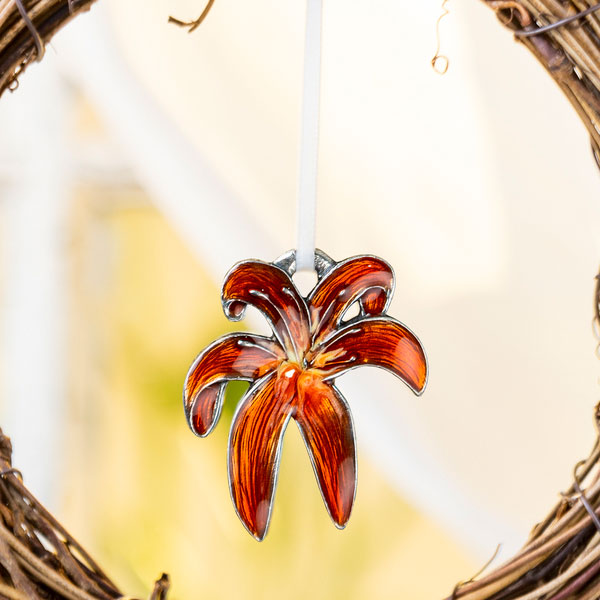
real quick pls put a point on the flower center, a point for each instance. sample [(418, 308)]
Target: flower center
[(298, 384), (287, 376)]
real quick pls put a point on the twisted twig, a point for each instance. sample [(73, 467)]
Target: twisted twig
[(192, 25), (26, 26), (569, 49)]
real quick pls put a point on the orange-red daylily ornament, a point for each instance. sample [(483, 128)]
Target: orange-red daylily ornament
[(292, 374)]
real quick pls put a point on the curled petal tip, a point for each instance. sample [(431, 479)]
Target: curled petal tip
[(234, 310), (259, 536), (341, 517), (271, 290), (418, 391), (257, 529), (203, 409), (201, 432), (257, 524), (421, 383), (234, 356)]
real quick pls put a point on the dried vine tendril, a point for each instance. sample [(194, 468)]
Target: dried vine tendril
[(440, 62), (479, 573), (193, 25)]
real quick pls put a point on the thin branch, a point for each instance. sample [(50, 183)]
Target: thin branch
[(192, 25)]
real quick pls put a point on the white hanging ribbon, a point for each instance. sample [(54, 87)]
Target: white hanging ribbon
[(309, 140)]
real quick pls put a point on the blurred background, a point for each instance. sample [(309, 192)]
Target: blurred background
[(138, 163)]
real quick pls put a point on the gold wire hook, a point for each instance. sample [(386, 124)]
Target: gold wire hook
[(440, 62)]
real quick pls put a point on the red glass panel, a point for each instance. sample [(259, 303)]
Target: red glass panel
[(381, 342), (272, 291), (326, 425), (236, 356), (255, 445), (205, 409), (366, 277)]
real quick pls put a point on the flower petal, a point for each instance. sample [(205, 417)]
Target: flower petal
[(381, 342), (235, 356), (326, 425), (271, 290), (205, 409), (255, 447), (368, 279)]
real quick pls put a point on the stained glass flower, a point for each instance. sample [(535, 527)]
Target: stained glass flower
[(292, 374)]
